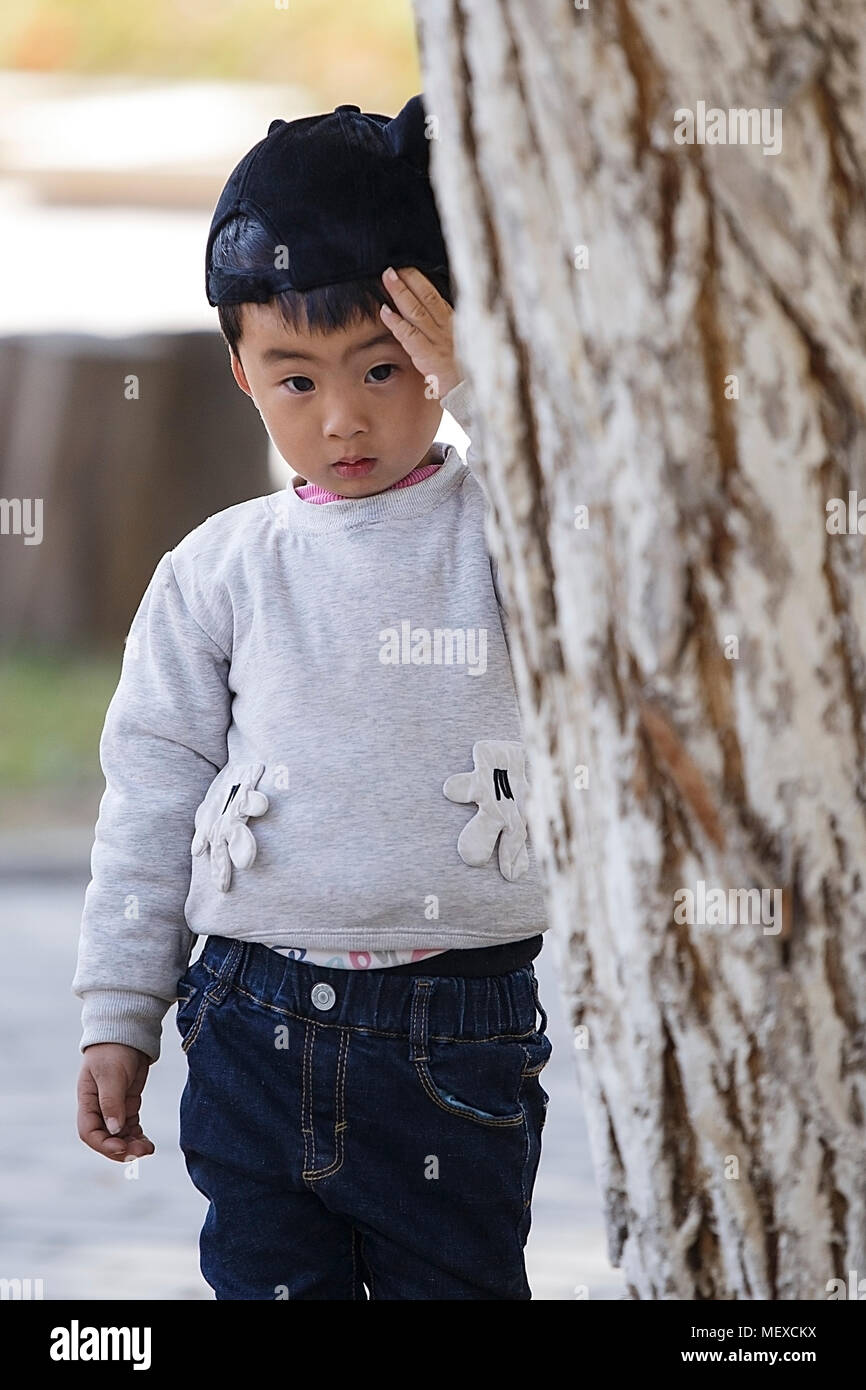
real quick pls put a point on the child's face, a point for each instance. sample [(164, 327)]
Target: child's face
[(328, 396)]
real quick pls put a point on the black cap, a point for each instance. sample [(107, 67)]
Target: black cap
[(346, 194)]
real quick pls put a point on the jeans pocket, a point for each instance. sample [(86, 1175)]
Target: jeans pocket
[(479, 1080), (192, 1004), (537, 1050)]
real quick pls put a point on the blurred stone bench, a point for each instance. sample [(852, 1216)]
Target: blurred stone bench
[(121, 479)]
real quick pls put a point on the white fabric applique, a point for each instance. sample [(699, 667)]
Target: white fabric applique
[(220, 822), (500, 788)]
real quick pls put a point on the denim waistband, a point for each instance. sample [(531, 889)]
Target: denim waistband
[(451, 1006)]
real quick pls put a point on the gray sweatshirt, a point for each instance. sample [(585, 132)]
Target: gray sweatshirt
[(315, 740)]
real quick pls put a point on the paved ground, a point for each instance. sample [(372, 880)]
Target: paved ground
[(89, 1229)]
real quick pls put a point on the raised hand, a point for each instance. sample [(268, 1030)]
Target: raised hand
[(423, 327)]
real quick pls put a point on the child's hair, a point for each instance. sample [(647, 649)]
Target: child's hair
[(245, 245)]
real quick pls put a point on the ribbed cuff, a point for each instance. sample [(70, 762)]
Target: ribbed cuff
[(123, 1016)]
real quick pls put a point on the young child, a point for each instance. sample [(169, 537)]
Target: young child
[(313, 758)]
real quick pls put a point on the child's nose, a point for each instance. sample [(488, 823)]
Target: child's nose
[(344, 414), (343, 420)]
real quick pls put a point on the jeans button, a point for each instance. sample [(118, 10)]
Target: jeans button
[(323, 996)]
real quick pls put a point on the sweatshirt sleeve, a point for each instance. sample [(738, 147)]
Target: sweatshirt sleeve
[(163, 742), (458, 402)]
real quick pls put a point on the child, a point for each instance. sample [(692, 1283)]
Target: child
[(316, 700)]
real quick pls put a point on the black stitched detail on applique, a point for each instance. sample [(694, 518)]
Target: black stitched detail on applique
[(234, 791), (500, 780)]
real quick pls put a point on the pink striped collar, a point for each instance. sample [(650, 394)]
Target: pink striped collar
[(311, 492)]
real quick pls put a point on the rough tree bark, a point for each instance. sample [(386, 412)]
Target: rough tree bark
[(724, 1078)]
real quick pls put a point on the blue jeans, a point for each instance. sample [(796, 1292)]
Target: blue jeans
[(352, 1129)]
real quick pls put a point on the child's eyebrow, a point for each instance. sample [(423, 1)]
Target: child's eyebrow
[(278, 354)]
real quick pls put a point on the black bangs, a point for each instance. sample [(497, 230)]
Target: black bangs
[(244, 245)]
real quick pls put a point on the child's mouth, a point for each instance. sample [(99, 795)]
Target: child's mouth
[(359, 469)]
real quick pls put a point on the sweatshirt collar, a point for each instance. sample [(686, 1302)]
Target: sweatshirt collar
[(295, 514)]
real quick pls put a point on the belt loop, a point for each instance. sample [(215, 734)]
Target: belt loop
[(418, 1016), (538, 1003), (228, 971)]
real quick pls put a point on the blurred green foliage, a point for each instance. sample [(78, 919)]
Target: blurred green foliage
[(340, 50), (51, 713)]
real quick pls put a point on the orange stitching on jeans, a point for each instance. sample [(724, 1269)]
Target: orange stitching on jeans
[(312, 1109), (429, 1086), (528, 1069), (304, 1129), (426, 1079), (425, 1014), (422, 1025), (486, 1037), (320, 1023), (339, 1105), (187, 1042), (377, 1032), (340, 1125), (416, 995)]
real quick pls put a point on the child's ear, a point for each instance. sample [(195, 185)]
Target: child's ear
[(239, 374)]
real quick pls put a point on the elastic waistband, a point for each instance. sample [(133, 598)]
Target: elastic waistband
[(464, 1007), (475, 960)]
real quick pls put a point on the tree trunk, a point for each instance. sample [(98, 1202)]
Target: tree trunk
[(696, 379)]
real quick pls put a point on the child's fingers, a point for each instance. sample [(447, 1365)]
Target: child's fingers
[(133, 1131), (132, 1142), (91, 1124), (427, 295), (408, 335), (99, 1101), (137, 1144), (417, 299)]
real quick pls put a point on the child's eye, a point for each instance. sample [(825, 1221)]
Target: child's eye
[(296, 378), (388, 367), (385, 366)]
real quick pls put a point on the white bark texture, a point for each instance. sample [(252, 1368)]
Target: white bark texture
[(606, 387)]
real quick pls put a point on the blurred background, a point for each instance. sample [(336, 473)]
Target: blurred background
[(121, 429)]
